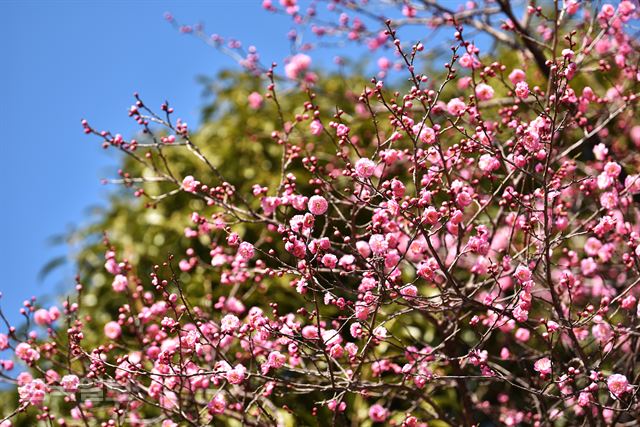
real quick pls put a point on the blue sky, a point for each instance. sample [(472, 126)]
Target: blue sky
[(68, 60)]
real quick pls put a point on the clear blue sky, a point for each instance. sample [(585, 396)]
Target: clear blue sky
[(66, 60)]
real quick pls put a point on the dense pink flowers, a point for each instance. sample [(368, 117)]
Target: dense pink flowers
[(456, 249), (33, 392), (27, 353)]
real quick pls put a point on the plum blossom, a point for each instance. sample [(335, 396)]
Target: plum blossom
[(484, 92), (33, 392), (189, 184), (120, 283), (365, 168), (318, 205), (255, 100), (297, 65), (378, 413), (112, 330), (316, 127), (217, 405), (236, 375), (522, 90), (246, 251), (618, 385), (27, 353), (543, 366), (70, 383)]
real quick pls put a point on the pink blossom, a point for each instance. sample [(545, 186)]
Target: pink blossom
[(469, 61), (409, 291), (363, 248), (316, 127), (378, 244), (229, 323), (523, 273), (334, 406), (634, 135), (33, 392), (600, 151), (120, 283), (342, 130), (517, 75), (236, 375), (297, 65), (609, 199), (112, 330), (276, 359), (488, 163), (521, 314), (378, 413), (484, 92), (629, 302), (189, 184), (255, 100), (246, 251), (463, 199), (70, 383), (584, 399), (612, 169), (608, 10), (384, 63), (456, 107), (425, 133), (217, 405), (632, 183), (42, 317), (543, 366), (365, 168), (522, 90), (318, 205), (626, 8), (618, 385), (27, 353), (329, 260), (592, 246)]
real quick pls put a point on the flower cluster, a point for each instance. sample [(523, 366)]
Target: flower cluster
[(475, 234)]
